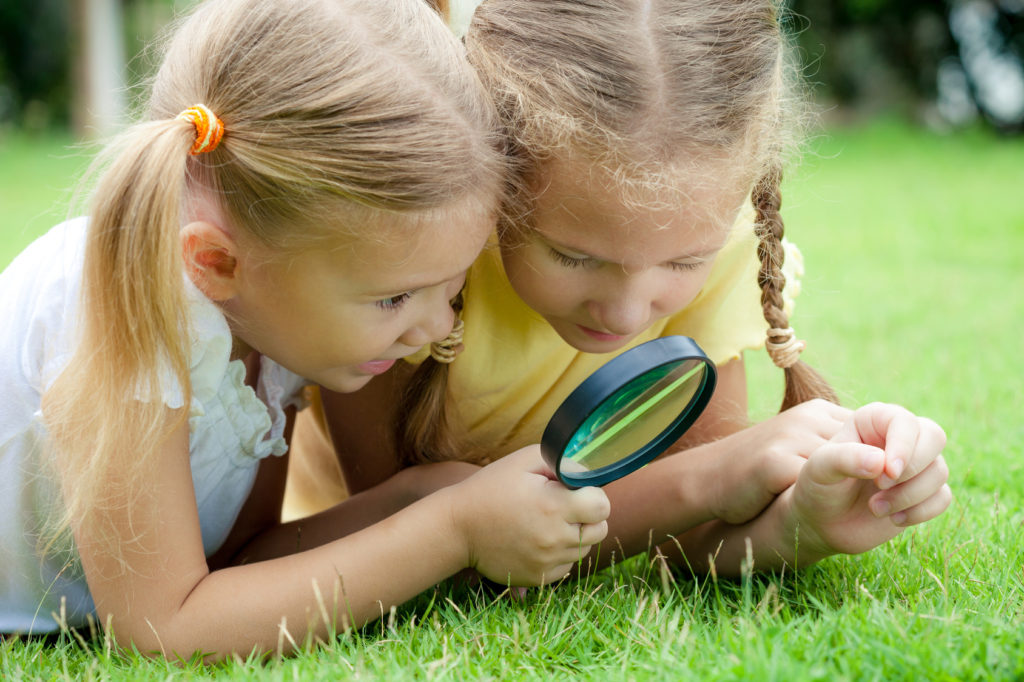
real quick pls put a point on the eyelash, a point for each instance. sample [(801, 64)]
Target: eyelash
[(686, 266), (394, 302), (570, 262)]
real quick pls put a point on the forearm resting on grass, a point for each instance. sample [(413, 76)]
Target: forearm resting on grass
[(354, 513), (156, 592)]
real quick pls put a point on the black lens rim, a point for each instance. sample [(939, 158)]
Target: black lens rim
[(605, 382)]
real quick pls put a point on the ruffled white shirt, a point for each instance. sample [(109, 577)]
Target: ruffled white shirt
[(232, 427)]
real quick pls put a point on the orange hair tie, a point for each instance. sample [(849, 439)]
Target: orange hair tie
[(209, 128)]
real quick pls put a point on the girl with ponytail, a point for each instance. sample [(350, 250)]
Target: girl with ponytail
[(647, 140), (300, 205)]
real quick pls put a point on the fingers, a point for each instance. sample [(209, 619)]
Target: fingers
[(911, 443), (927, 510), (896, 429), (836, 462), (878, 423), (836, 413), (918, 499), (556, 573), (929, 441), (575, 544), (821, 416), (823, 407), (593, 533), (583, 505)]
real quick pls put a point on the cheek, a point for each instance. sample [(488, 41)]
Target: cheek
[(681, 292), (543, 288)]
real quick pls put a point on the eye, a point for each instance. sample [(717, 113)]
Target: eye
[(568, 261), (687, 266), (393, 302)]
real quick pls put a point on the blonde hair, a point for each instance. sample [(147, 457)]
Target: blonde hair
[(637, 87), (335, 111), (442, 7)]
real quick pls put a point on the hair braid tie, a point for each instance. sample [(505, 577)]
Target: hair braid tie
[(783, 347), (209, 128), (446, 350)]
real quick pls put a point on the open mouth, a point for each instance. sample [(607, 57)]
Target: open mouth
[(376, 366)]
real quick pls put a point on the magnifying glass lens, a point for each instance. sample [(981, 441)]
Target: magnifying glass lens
[(629, 411), (633, 416)]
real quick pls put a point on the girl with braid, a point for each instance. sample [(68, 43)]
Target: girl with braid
[(309, 187), (647, 141)]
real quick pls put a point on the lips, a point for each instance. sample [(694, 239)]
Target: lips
[(601, 336), (376, 366)]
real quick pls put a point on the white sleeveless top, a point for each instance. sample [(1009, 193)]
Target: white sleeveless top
[(232, 426)]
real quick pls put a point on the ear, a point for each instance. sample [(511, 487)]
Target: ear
[(211, 259)]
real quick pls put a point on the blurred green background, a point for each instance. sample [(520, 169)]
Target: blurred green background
[(942, 63), (908, 207)]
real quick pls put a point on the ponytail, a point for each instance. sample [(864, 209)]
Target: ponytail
[(133, 323), (803, 383)]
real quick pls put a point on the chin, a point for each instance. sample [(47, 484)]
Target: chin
[(346, 384)]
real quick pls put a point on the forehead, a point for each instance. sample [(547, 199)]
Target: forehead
[(578, 203), (395, 252)]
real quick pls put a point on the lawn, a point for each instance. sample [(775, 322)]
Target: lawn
[(914, 293)]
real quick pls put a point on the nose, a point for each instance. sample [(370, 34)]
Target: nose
[(624, 308), (433, 324)]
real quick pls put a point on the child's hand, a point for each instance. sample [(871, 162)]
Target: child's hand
[(521, 525), (881, 472), (766, 459)]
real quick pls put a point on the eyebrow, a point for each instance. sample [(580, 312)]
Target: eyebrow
[(414, 286)]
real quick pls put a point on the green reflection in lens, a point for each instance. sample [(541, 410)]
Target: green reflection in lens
[(624, 408)]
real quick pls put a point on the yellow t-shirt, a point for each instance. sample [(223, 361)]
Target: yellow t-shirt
[(515, 369)]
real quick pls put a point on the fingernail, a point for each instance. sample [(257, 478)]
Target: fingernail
[(884, 482), (898, 518), (880, 508), (897, 467)]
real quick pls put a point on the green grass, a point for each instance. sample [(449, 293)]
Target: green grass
[(914, 293)]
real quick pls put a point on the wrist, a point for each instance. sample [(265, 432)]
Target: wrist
[(799, 545), (456, 522), (699, 475)]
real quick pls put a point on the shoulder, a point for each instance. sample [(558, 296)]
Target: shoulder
[(40, 302), (51, 262)]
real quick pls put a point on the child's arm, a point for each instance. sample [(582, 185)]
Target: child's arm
[(881, 472), (733, 478), (358, 424), (259, 533), (726, 412), (510, 522)]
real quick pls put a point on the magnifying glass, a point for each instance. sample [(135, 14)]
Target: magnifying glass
[(629, 411)]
